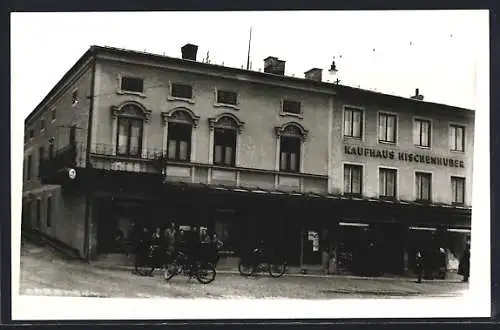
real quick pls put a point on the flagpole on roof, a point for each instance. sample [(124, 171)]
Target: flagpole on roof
[(249, 45)]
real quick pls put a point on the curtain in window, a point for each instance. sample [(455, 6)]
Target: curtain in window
[(122, 135), (135, 137), (382, 128), (459, 139), (391, 184), (423, 187), (452, 138), (183, 150), (228, 155), (356, 130), (391, 129), (425, 133), (218, 154), (293, 162), (283, 160), (348, 123), (416, 132), (356, 180), (171, 149)]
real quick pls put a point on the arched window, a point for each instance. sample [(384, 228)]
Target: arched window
[(130, 128), (180, 123), (291, 136), (226, 127)]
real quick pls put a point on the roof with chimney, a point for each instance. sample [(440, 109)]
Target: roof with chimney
[(308, 84)]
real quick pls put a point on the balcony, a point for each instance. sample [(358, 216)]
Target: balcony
[(153, 161), (53, 168)]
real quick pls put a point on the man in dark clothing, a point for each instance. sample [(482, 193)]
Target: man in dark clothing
[(464, 265), (142, 248), (419, 266)]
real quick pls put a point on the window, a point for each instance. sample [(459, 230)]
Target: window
[(227, 97), (129, 136), (387, 128), (28, 169), (179, 141), (38, 211), (182, 91), (42, 124), (387, 183), (353, 123), (458, 190), (422, 133), (353, 179), (53, 114), (74, 96), (49, 211), (224, 146), (32, 134), (292, 107), (41, 153), (131, 84), (290, 154), (423, 186), (457, 138)]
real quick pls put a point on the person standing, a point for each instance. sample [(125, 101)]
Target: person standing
[(419, 266), (170, 238), (142, 249), (464, 265)]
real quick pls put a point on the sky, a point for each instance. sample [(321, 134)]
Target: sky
[(392, 52)]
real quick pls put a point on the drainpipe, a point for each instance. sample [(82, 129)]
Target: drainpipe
[(88, 168)]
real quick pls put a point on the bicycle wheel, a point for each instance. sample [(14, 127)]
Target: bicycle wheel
[(205, 273), (246, 268), (170, 271), (277, 269)]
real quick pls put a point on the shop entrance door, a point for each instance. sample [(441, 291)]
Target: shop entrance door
[(311, 251)]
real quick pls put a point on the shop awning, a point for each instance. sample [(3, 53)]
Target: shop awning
[(310, 195)]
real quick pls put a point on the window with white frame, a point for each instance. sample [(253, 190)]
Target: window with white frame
[(74, 97), (422, 133), (353, 179), (387, 127), (353, 123), (387, 183), (457, 138), (53, 114), (458, 190), (423, 186)]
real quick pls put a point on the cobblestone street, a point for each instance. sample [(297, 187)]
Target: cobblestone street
[(45, 273)]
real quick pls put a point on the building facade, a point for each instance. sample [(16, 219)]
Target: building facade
[(319, 171)]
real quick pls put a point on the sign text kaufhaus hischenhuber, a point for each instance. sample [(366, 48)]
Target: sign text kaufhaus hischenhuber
[(403, 156)]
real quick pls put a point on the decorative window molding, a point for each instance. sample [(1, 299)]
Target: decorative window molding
[(131, 109), (292, 129), (219, 104), (283, 113), (181, 115), (170, 97), (121, 91), (226, 120)]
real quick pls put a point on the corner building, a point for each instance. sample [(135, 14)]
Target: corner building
[(319, 171)]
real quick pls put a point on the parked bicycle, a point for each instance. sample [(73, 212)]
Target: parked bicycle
[(259, 261), (203, 271), (150, 262)]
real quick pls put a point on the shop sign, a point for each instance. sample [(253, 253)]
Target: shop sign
[(409, 157)]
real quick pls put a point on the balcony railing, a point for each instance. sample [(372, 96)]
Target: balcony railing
[(53, 165)]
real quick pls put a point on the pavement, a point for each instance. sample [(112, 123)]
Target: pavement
[(44, 272)]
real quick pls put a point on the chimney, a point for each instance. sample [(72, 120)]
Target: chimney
[(189, 52), (417, 95), (314, 74), (274, 65)]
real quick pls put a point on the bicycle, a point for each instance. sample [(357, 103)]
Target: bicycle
[(257, 261), (147, 267), (203, 271)]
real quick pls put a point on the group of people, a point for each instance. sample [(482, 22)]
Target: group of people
[(425, 265), (163, 247)]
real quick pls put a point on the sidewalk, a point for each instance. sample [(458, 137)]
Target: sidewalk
[(452, 277)]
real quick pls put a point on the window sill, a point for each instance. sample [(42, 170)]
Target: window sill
[(289, 114), (352, 138), (423, 201), (457, 151), (457, 204), (387, 142), (227, 106), (288, 172), (180, 99), (122, 92), (225, 166), (352, 195), (422, 147)]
